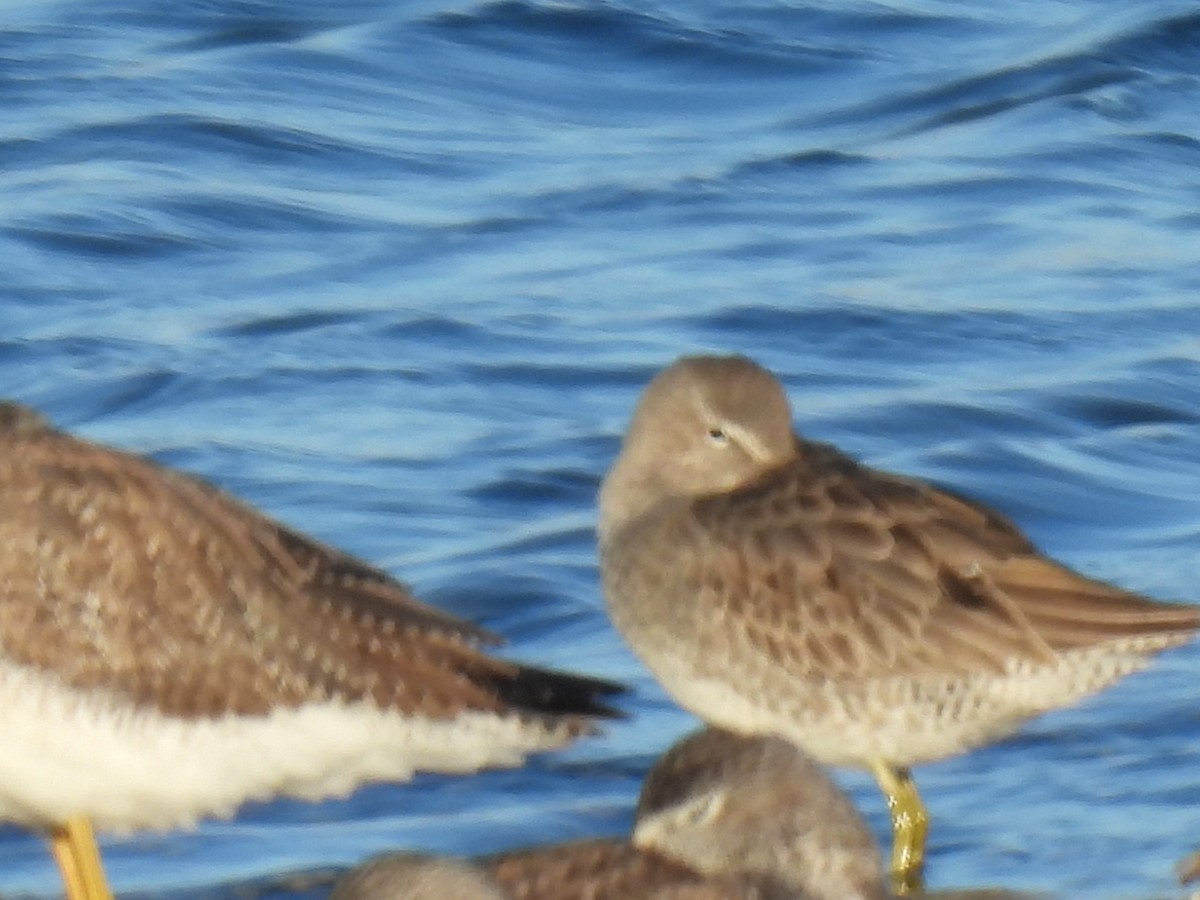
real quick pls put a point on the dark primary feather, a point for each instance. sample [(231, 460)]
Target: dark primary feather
[(558, 693)]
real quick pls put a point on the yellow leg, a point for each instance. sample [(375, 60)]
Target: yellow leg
[(910, 824), (72, 880), (79, 860)]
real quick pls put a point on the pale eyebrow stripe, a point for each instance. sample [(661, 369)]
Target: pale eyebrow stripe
[(743, 436)]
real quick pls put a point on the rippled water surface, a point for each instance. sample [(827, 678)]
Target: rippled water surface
[(396, 273)]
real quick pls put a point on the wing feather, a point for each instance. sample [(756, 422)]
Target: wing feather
[(123, 574), (842, 571)]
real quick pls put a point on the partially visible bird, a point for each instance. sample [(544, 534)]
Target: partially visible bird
[(745, 817)]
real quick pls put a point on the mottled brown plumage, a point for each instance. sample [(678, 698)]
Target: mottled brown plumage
[(776, 585), (736, 816), (885, 576), (407, 876), (123, 575), (720, 817), (609, 870)]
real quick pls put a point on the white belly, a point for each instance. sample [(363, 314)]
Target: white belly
[(902, 720), (63, 753)]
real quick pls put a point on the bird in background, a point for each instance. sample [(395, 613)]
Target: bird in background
[(168, 652), (774, 585), (720, 817)]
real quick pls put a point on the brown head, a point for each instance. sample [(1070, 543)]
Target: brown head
[(726, 804), (703, 426)]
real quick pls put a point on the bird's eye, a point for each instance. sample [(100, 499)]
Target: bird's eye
[(706, 809), (718, 436)]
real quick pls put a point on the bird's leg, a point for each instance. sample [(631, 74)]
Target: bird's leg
[(910, 824), (79, 860), (60, 843)]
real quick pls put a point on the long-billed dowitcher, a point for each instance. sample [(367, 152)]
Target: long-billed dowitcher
[(743, 816), (167, 652), (775, 585), (720, 816)]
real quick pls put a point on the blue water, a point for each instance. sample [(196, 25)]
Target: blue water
[(396, 273)]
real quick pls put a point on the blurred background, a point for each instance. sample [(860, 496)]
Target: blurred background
[(396, 273)]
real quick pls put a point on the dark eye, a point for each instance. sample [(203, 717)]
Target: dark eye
[(718, 436)]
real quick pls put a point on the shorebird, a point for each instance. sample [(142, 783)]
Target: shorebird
[(775, 585), (168, 652), (720, 813), (720, 816)]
